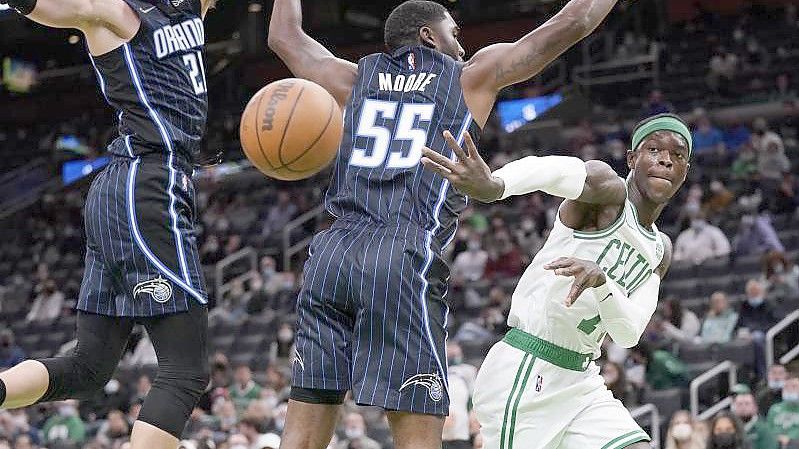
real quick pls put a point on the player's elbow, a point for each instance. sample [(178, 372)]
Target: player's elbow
[(624, 333)]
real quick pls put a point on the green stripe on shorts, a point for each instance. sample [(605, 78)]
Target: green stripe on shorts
[(516, 404), (510, 401)]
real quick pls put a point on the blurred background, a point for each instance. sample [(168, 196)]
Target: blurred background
[(723, 339)]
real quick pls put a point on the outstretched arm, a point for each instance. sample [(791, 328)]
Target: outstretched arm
[(305, 57), (501, 65), (592, 182), (85, 15)]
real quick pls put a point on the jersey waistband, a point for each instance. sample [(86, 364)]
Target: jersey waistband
[(544, 350), (179, 163)]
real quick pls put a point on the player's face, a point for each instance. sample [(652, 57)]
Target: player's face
[(660, 166), (444, 37)]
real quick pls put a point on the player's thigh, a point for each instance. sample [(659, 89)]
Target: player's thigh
[(605, 424), (324, 315), (180, 341), (399, 360)]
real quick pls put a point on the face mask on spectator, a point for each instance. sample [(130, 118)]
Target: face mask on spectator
[(67, 410), (776, 384), (755, 302), (724, 439), (697, 224), (455, 361), (790, 396), (112, 386), (682, 431)]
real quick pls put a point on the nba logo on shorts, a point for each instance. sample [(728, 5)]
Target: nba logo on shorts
[(539, 383), (411, 61)]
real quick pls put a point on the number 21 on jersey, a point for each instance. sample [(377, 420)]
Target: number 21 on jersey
[(196, 67), (408, 121)]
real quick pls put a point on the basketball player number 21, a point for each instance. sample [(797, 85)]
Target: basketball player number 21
[(196, 68), (404, 129)]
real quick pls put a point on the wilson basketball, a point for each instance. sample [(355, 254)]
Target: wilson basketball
[(291, 129)]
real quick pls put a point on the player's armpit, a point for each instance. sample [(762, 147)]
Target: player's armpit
[(501, 65), (87, 15)]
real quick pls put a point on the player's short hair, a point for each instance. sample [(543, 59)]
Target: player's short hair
[(655, 117), (402, 25)]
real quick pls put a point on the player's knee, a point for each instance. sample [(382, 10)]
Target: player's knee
[(76, 376)]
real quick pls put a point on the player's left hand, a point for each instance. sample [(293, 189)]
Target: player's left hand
[(469, 174), (586, 274)]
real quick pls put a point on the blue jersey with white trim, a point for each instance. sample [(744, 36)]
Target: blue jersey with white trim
[(156, 82), (400, 102)]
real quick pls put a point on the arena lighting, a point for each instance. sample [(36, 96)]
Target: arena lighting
[(255, 7)]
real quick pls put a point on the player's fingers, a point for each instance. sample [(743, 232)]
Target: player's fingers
[(469, 146), (577, 289), (560, 262), (571, 270), (439, 159), (453, 144), (436, 167)]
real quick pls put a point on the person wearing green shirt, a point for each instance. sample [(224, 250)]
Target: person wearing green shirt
[(720, 320), (783, 417), (244, 390), (758, 432), (66, 425)]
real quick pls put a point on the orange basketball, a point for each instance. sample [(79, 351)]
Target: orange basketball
[(291, 129)]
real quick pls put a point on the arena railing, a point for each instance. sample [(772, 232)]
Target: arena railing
[(772, 333), (289, 248), (249, 256), (732, 372), (654, 420), (619, 70)]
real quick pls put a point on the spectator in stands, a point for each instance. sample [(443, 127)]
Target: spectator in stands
[(143, 385), (656, 104), (701, 241), (756, 314), (114, 430), (684, 432), (211, 251), (781, 275), (744, 167), (769, 392), (251, 428), (720, 320), (238, 441), (756, 235), (726, 432), (722, 73), (616, 381), (787, 200), (225, 412), (706, 137), (783, 416), (718, 201), (244, 390), (285, 340), (10, 352), (16, 422), (758, 432), (679, 325), (662, 369), (24, 441), (762, 134), (354, 430), (47, 305), (143, 354), (279, 215), (65, 426), (736, 135), (782, 88), (505, 259), (470, 265), (461, 378)]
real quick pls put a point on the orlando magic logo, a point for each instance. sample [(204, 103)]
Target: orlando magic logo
[(177, 3), (159, 289), (430, 381)]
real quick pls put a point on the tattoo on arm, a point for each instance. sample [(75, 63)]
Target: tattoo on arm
[(504, 70)]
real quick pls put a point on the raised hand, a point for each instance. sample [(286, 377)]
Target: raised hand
[(468, 173), (586, 274)]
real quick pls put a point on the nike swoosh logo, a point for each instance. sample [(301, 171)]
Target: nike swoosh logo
[(147, 10)]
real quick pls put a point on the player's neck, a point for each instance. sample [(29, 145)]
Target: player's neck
[(648, 211)]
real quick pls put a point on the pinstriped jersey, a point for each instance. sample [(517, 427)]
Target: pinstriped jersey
[(401, 102), (627, 252), (156, 82)]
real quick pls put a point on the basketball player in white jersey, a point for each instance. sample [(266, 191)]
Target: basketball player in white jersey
[(598, 274)]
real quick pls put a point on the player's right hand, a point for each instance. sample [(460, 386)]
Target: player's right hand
[(468, 172), (586, 273)]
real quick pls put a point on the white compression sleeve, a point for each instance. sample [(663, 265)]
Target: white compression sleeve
[(626, 318), (562, 176)]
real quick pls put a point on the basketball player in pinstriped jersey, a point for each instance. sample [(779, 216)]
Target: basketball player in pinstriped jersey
[(142, 264), (372, 311)]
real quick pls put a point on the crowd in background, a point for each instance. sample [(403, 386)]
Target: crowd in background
[(740, 195)]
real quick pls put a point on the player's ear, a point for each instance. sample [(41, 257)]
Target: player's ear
[(631, 155), (427, 37)]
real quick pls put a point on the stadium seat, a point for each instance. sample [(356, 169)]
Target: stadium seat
[(667, 401), (742, 353), (696, 353)]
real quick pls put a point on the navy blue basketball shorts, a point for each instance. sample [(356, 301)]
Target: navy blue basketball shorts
[(372, 318), (141, 246)]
